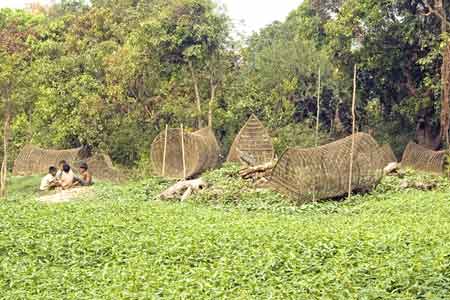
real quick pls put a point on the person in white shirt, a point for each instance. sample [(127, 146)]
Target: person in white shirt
[(60, 171), (67, 179), (49, 181)]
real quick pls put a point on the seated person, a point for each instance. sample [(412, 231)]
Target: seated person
[(85, 178), (49, 182), (67, 179), (60, 171)]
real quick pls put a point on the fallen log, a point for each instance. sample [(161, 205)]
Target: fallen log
[(184, 189), (417, 185), (257, 172), (391, 168)]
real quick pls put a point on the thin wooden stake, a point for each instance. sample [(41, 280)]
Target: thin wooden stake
[(317, 129), (318, 112), (182, 151), (4, 166), (350, 178), (165, 151)]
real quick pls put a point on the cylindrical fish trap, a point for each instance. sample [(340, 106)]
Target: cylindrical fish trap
[(323, 172), (201, 153), (419, 158)]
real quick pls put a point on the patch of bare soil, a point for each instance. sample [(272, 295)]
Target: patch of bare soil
[(65, 196)]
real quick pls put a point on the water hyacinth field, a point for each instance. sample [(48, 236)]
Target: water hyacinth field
[(228, 243)]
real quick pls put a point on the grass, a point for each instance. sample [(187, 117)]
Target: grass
[(229, 243)]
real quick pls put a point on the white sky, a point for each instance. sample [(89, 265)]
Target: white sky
[(251, 15), (247, 15), (18, 3)]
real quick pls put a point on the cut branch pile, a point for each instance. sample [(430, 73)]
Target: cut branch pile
[(259, 175)]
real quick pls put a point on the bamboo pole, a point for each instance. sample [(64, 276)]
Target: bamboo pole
[(165, 151), (4, 166), (318, 112), (182, 151), (350, 178), (317, 129)]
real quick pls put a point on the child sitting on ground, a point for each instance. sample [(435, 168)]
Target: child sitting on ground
[(49, 182), (60, 171), (85, 178), (67, 179)]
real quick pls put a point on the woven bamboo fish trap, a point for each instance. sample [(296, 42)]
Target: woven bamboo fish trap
[(323, 172), (33, 160), (419, 158), (254, 141), (201, 153), (102, 168), (388, 155)]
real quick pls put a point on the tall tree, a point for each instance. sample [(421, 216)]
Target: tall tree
[(190, 34), (16, 29), (398, 58), (439, 10)]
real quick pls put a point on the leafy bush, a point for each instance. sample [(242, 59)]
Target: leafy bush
[(228, 190), (297, 135)]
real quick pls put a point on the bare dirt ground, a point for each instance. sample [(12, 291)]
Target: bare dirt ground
[(66, 195)]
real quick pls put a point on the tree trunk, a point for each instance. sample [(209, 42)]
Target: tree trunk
[(197, 95), (211, 103), (352, 152), (439, 11), (425, 135), (445, 124), (444, 77), (4, 168)]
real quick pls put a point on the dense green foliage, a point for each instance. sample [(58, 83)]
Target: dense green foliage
[(125, 244), (112, 74)]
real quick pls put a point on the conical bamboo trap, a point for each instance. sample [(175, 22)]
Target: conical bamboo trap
[(253, 140)]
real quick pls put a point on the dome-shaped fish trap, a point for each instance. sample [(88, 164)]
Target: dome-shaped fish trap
[(33, 160), (323, 172), (419, 158), (388, 155), (201, 153), (102, 168), (254, 141)]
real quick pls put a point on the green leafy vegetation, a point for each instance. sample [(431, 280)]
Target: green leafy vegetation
[(112, 74), (126, 244)]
